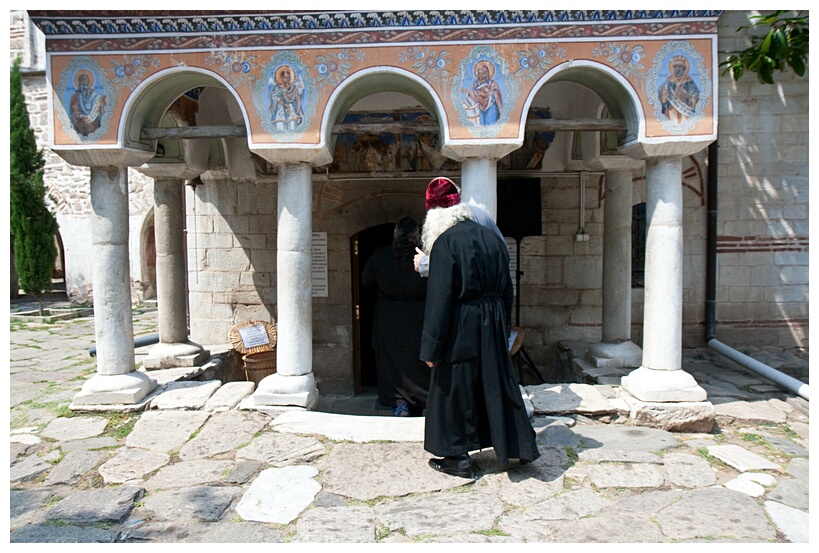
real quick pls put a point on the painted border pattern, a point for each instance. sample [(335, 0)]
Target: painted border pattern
[(83, 31)]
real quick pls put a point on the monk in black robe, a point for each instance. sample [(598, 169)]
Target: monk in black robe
[(474, 401), (403, 379)]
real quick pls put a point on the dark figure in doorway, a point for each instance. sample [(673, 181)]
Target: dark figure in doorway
[(474, 401), (403, 379)]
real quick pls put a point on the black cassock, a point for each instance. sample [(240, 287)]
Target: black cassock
[(399, 316), (474, 401)]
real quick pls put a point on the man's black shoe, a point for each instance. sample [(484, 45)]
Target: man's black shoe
[(460, 465)]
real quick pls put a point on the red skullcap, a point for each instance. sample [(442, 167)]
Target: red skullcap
[(442, 192)]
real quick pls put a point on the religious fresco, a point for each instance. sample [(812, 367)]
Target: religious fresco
[(285, 97), (421, 151), (678, 86), (483, 92), (481, 89), (85, 100)]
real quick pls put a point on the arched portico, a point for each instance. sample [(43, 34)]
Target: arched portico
[(285, 96)]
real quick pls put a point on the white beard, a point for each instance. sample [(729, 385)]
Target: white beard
[(440, 220)]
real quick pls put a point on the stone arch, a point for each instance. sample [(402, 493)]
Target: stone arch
[(615, 90), (151, 99), (381, 79)]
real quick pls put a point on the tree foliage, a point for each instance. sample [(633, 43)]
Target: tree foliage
[(784, 44), (32, 224)]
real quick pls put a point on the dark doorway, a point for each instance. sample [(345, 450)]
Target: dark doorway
[(362, 245)]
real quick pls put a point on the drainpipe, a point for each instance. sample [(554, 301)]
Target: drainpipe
[(789, 383)]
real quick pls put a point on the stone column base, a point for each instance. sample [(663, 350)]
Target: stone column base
[(615, 354), (125, 389), (654, 385), (282, 390), (167, 355), (685, 416)]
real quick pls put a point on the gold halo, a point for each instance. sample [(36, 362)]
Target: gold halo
[(490, 68), (91, 78), (282, 69)]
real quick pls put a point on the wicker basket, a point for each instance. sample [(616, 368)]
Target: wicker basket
[(256, 341), (516, 345), (259, 365)]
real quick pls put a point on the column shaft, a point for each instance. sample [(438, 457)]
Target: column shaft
[(112, 284), (617, 257), (293, 274), (480, 182), (170, 260), (662, 319)]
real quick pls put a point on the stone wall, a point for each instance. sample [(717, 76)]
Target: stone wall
[(68, 191), (762, 295)]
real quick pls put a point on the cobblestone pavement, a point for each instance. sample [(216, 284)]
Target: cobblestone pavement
[(195, 467)]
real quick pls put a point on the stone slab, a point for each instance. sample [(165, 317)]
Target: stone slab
[(689, 471), (447, 514), (165, 431), (350, 427), (794, 523), (25, 505), (229, 396), (224, 432), (223, 531), (73, 466), (74, 428), (793, 492), (164, 376), (190, 473), (132, 464), (715, 513), (28, 469), (49, 533), (626, 438), (279, 495), (354, 524), (97, 505), (372, 470), (280, 450), (740, 458), (729, 411), (525, 485), (568, 398), (203, 503), (185, 395), (102, 442), (625, 475), (569, 506)]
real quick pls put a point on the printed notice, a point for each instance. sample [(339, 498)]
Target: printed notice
[(253, 336), (319, 269), (513, 262)]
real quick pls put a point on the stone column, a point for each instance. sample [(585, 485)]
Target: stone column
[(174, 349), (479, 182), (616, 349), (661, 378), (293, 383), (116, 381)]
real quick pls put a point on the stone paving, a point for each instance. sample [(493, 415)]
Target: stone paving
[(197, 466)]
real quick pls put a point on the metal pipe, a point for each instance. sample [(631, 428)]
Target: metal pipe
[(139, 341), (789, 383)]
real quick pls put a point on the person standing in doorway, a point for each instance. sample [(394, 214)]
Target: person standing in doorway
[(403, 379), (474, 401)]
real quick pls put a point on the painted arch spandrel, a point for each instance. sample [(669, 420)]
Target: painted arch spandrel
[(482, 89)]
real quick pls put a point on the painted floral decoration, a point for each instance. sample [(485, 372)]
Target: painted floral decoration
[(625, 58), (238, 68), (129, 71), (427, 62), (533, 62), (332, 68)]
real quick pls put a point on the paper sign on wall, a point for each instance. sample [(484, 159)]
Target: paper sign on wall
[(319, 268)]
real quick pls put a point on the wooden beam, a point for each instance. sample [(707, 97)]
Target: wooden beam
[(224, 131), (396, 127)]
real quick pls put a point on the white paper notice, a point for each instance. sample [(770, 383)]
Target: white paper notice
[(319, 269)]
